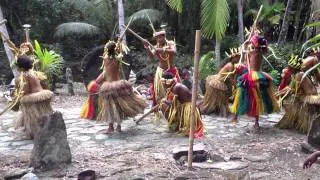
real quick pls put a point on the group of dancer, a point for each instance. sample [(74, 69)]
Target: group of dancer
[(240, 79), (116, 100)]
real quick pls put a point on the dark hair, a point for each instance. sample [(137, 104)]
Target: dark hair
[(111, 47), (24, 62), (167, 75)]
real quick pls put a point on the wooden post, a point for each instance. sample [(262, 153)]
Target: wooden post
[(194, 95)]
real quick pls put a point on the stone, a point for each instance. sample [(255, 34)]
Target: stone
[(182, 150), (160, 156), (231, 165), (314, 132), (4, 144), (6, 138), (307, 148), (51, 147), (82, 138), (259, 158), (101, 137), (74, 129), (26, 147), (20, 143), (30, 176), (87, 175), (259, 175)]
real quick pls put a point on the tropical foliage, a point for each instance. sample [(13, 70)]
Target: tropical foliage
[(49, 61), (207, 65), (74, 27)]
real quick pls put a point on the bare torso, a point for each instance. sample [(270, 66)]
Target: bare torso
[(255, 60), (182, 92), (308, 63), (306, 86), (166, 59), (33, 83), (111, 71)]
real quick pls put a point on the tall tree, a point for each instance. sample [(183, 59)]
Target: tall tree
[(240, 20), (297, 20), (214, 19), (121, 20), (3, 30), (285, 24)]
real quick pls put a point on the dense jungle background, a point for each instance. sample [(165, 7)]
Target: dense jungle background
[(78, 29)]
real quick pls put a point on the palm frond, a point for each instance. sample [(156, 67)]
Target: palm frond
[(214, 18), (309, 48), (175, 5), (308, 71), (77, 29), (142, 15), (50, 62), (312, 40)]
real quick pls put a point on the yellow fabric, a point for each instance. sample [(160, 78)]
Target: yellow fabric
[(179, 118), (159, 90)]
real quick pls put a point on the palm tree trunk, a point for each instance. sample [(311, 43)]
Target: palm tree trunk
[(297, 21), (121, 20), (9, 53), (217, 51), (240, 20), (285, 24)]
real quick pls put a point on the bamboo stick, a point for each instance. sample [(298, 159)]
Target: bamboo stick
[(194, 95)]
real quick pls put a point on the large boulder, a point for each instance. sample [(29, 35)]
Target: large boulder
[(51, 148), (314, 132)]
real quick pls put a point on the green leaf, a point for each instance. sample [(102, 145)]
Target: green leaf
[(307, 49), (175, 5), (312, 40), (274, 19), (315, 24), (142, 15), (50, 62), (214, 18), (207, 65)]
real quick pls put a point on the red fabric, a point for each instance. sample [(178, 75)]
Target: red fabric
[(174, 71), (92, 88), (285, 80)]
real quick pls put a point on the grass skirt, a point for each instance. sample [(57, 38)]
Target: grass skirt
[(254, 95), (216, 96), (158, 91), (300, 113), (119, 102), (33, 106), (179, 119)]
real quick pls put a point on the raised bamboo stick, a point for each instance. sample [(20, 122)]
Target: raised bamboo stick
[(194, 96)]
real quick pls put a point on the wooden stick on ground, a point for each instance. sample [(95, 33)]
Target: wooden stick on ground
[(154, 108), (194, 96)]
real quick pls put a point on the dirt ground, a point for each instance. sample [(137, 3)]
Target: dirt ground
[(145, 151)]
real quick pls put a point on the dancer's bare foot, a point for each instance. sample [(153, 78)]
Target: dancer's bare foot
[(234, 120), (256, 126), (110, 130), (118, 129)]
